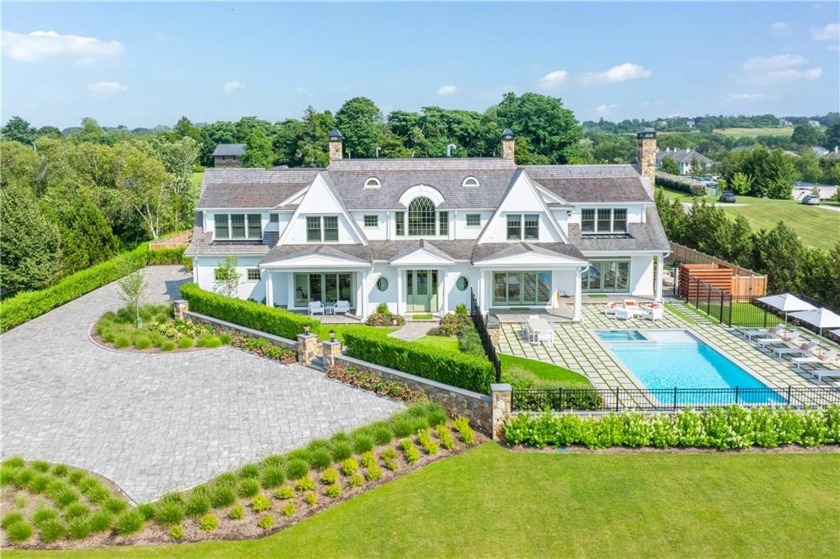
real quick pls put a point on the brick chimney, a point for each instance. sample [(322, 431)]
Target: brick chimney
[(336, 145), (508, 146), (646, 153)]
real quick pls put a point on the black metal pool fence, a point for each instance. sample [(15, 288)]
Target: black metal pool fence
[(669, 399)]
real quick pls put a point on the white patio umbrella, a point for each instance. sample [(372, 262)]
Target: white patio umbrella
[(821, 318), (836, 332), (786, 303)]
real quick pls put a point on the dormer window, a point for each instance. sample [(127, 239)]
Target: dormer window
[(373, 182), (470, 182)]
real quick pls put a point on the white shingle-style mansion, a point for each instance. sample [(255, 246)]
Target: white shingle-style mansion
[(420, 234)]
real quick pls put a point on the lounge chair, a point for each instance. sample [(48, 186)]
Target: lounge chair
[(804, 349), (342, 307), (830, 373), (316, 307), (819, 359), (750, 334)]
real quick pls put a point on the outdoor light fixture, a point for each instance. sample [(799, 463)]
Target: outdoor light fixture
[(306, 329), (332, 335)]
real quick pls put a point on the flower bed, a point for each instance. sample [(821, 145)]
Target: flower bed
[(256, 500), (720, 428), (264, 348), (392, 389), (158, 331)]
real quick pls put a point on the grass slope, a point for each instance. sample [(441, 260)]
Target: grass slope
[(447, 343), (786, 132), (811, 223), (489, 500), (546, 371)]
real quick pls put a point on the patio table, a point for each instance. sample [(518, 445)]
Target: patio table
[(537, 325)]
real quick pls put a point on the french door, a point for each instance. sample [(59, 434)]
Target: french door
[(421, 290)]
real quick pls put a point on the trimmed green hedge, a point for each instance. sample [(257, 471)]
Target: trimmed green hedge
[(464, 371), (28, 304), (683, 184), (728, 428), (247, 313)]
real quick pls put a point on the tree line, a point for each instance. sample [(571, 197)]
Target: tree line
[(779, 253), (68, 204), (707, 123)]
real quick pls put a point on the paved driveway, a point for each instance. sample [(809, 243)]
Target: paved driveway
[(154, 423)]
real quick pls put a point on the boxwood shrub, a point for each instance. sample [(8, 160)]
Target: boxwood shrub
[(247, 313), (464, 371)]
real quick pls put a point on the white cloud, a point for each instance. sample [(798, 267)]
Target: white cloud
[(102, 89), (621, 73), (233, 86), (553, 79), (447, 90), (780, 29), (42, 45), (605, 110), (781, 68), (830, 32), (746, 96)]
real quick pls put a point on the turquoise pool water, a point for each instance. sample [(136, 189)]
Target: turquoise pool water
[(675, 359)]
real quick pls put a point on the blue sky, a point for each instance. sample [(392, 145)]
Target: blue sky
[(148, 64)]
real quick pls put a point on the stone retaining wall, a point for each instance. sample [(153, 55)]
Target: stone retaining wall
[(236, 329), (456, 401)]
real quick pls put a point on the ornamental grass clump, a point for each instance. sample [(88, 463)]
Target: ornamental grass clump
[(382, 434), (341, 450), (296, 469), (59, 470), (100, 521), (39, 483), (42, 515), (146, 510), (363, 442), (14, 462), (115, 505), (78, 528), (249, 487), (76, 510), (19, 532), (222, 496), (10, 518), (129, 522), (40, 466), (321, 458), (52, 530), (249, 471), (272, 476), (197, 505), (168, 513)]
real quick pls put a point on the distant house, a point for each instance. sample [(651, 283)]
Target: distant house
[(228, 155), (819, 151), (684, 158), (814, 123), (785, 122)]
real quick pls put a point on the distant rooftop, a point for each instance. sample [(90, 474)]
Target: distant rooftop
[(229, 149)]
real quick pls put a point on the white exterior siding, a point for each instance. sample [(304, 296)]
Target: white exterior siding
[(375, 297), (204, 274), (378, 233), (641, 275)]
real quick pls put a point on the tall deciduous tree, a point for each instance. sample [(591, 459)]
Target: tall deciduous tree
[(142, 184), (360, 122), (184, 128), (669, 165), (806, 135), (258, 151), (550, 129), (19, 130), (227, 276)]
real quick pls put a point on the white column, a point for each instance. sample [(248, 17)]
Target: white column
[(195, 271), (290, 290), (480, 295), (578, 293), (400, 291), (361, 302), (660, 264), (269, 288), (442, 276)]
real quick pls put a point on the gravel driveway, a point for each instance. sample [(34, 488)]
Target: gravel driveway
[(158, 422)]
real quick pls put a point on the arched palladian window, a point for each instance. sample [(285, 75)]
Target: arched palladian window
[(421, 217)]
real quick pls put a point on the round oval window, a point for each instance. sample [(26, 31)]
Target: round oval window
[(382, 283), (462, 284)]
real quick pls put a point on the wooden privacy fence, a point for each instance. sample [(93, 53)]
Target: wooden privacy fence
[(742, 282), (178, 240)]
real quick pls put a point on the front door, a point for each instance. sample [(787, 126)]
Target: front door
[(421, 290)]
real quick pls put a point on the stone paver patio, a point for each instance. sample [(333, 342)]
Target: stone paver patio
[(159, 422), (578, 348)]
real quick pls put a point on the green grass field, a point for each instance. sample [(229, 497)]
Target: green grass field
[(817, 227), (753, 132), (197, 178), (493, 502)]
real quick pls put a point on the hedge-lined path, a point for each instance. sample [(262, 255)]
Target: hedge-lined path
[(158, 422), (413, 330)]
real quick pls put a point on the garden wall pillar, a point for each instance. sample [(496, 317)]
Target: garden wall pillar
[(493, 327), (307, 348), (180, 308), (501, 408), (331, 350)]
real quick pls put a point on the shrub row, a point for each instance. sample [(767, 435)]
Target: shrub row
[(683, 184), (164, 256), (29, 304), (464, 371), (368, 381), (247, 313), (721, 428)]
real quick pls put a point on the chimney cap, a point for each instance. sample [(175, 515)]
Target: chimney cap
[(335, 135), (507, 134), (646, 132)]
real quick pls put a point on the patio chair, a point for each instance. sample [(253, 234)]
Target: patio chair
[(752, 333), (804, 349), (830, 373), (316, 307), (342, 307), (612, 306), (545, 337), (821, 359), (654, 311)]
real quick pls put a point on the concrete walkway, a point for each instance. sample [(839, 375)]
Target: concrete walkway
[(159, 422), (413, 330)]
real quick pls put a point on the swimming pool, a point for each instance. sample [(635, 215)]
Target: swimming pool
[(675, 359)]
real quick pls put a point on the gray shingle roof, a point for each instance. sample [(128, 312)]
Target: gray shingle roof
[(397, 175), (642, 236), (251, 188), (490, 251), (202, 245), (229, 149), (683, 156), (386, 251), (354, 253), (591, 183)]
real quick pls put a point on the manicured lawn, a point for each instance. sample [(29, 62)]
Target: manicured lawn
[(448, 343), (743, 314), (546, 371), (377, 331), (491, 502), (811, 223)]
